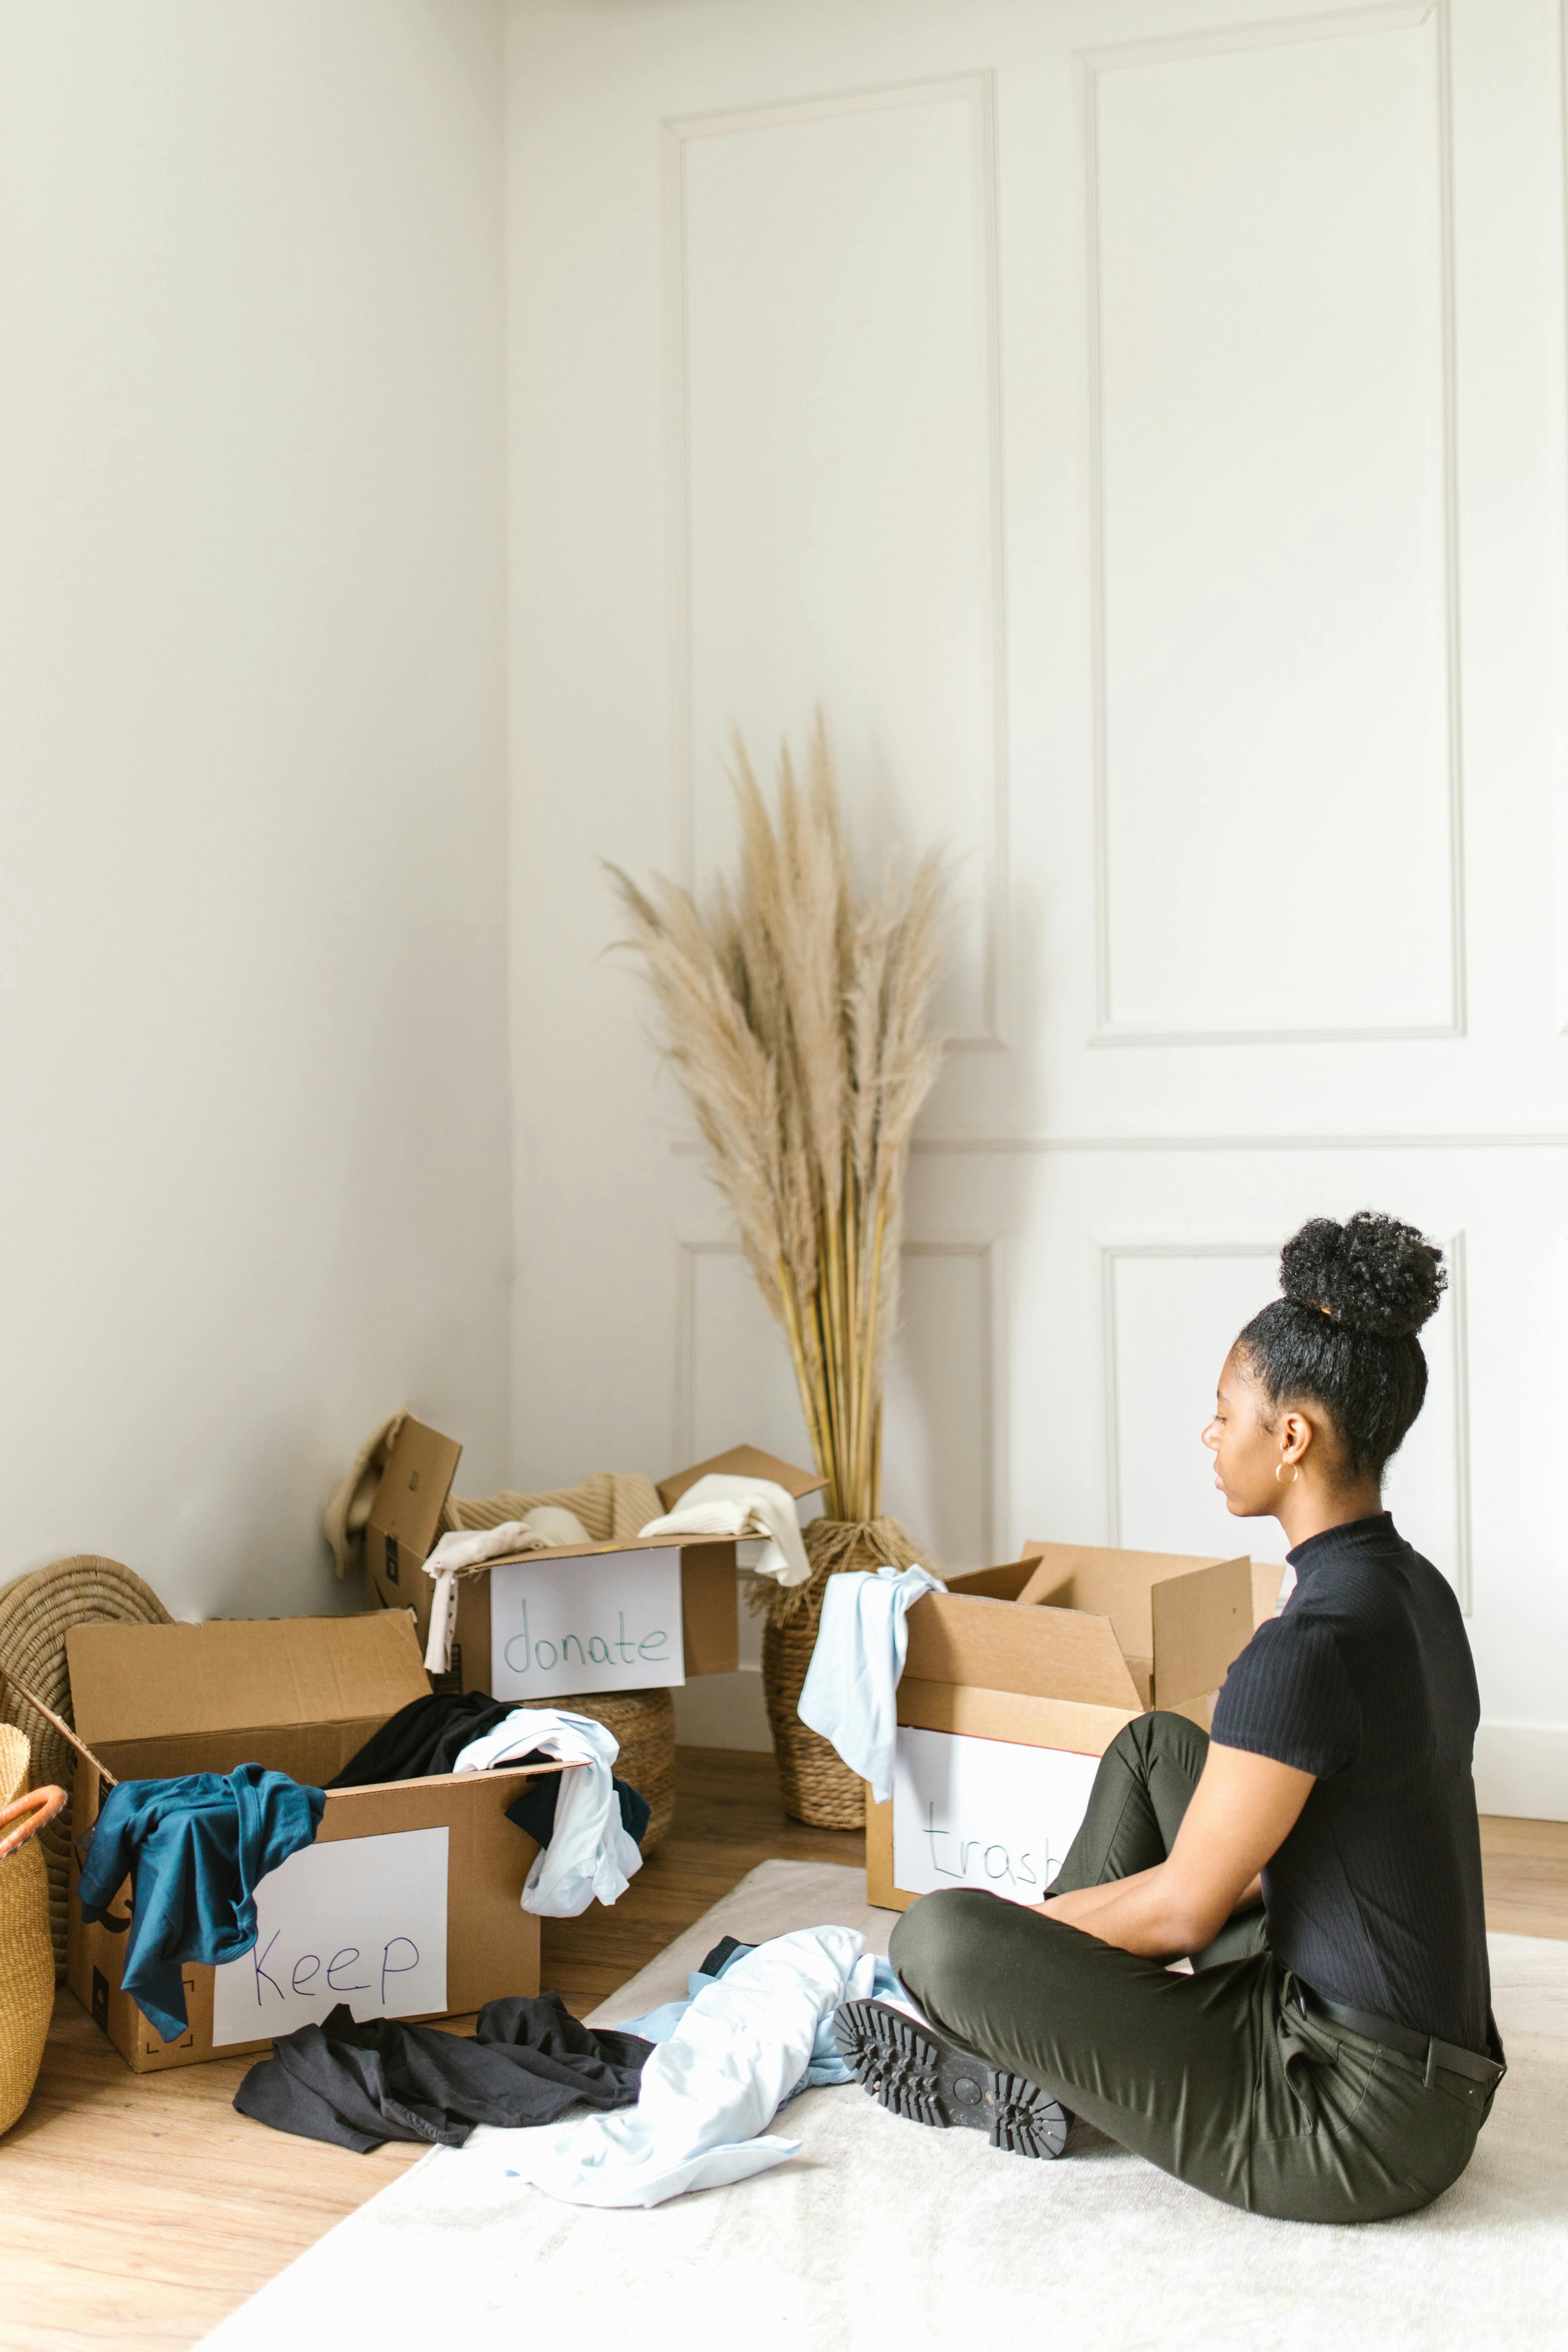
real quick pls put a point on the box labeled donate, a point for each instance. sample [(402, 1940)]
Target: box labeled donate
[(586, 1621), (631, 1614), (409, 1902), (1015, 1681)]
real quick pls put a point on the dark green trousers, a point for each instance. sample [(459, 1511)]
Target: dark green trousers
[(1217, 2076)]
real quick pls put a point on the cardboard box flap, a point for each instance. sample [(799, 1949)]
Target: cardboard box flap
[(1005, 1584), (147, 1682), (741, 1462), (1202, 1623), (414, 1486), (1107, 1582), (1058, 1653)]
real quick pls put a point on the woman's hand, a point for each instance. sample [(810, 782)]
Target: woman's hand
[(26, 1817), (1243, 1808)]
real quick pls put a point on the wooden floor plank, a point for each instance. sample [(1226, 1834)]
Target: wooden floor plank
[(152, 2209), (1525, 1866)]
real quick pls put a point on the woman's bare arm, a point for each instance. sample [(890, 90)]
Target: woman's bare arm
[(1242, 1810)]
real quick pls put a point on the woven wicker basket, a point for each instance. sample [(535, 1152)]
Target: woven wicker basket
[(27, 1954), (644, 1723), (37, 1612), (819, 1788)]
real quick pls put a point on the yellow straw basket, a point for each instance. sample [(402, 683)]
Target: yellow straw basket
[(27, 1952)]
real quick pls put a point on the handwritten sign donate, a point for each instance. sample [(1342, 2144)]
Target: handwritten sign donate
[(363, 1920), (984, 1813), (599, 1620)]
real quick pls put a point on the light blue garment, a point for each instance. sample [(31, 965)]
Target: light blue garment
[(826, 2067), (850, 1683), (706, 2095)]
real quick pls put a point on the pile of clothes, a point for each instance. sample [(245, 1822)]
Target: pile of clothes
[(701, 2077), (197, 1847), (359, 2084), (675, 2100), (588, 1825)]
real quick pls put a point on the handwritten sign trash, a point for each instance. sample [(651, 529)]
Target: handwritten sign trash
[(596, 1621), (363, 1920), (984, 1813)]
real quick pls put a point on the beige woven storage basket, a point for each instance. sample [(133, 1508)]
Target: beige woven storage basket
[(37, 1612), (27, 1953), (819, 1788)]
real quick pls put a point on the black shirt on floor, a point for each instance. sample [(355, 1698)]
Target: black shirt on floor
[(1366, 1679), (358, 2082)]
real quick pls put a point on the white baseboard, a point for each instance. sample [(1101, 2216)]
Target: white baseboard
[(723, 1711), (1522, 1768)]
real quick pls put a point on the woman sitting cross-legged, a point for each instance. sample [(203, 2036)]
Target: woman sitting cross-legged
[(1332, 2057)]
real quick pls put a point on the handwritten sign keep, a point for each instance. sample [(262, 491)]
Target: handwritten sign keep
[(984, 1813), (603, 1620), (363, 1920)]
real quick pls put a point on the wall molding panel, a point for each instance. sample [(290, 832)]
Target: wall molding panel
[(1142, 427), (690, 1147), (1116, 1143), (682, 138), (1095, 65)]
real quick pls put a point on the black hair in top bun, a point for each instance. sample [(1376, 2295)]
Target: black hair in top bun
[(1371, 1274), (1343, 1336)]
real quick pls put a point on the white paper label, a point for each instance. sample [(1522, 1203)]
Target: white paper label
[(600, 1621), (363, 1920), (984, 1813)]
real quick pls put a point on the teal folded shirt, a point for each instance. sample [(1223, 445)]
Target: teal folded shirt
[(194, 1850)]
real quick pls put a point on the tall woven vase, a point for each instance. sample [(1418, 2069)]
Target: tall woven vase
[(818, 1787), (27, 1952)]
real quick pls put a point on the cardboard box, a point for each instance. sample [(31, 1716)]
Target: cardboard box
[(1028, 1672), (301, 1695), (404, 1527)]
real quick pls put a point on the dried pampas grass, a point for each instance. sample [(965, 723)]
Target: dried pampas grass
[(794, 1015)]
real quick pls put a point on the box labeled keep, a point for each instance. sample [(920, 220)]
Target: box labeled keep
[(1015, 1681), (408, 1903), (628, 1614)]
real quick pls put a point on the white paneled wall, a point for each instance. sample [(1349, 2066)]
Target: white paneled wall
[(1144, 432), (831, 282), (1270, 296)]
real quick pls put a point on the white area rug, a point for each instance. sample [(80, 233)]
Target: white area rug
[(881, 2235)]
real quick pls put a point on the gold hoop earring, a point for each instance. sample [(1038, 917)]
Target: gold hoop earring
[(1295, 1470)]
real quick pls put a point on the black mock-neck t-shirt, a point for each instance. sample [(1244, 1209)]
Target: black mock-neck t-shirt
[(1365, 1680)]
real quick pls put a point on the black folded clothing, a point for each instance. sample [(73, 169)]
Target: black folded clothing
[(424, 1738), (359, 2085), (428, 1735)]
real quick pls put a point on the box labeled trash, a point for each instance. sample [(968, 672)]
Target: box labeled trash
[(1016, 1681), (625, 1614), (408, 1903)]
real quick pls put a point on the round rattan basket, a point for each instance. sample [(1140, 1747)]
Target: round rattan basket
[(37, 1612), (27, 1954), (818, 1787), (644, 1723)]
